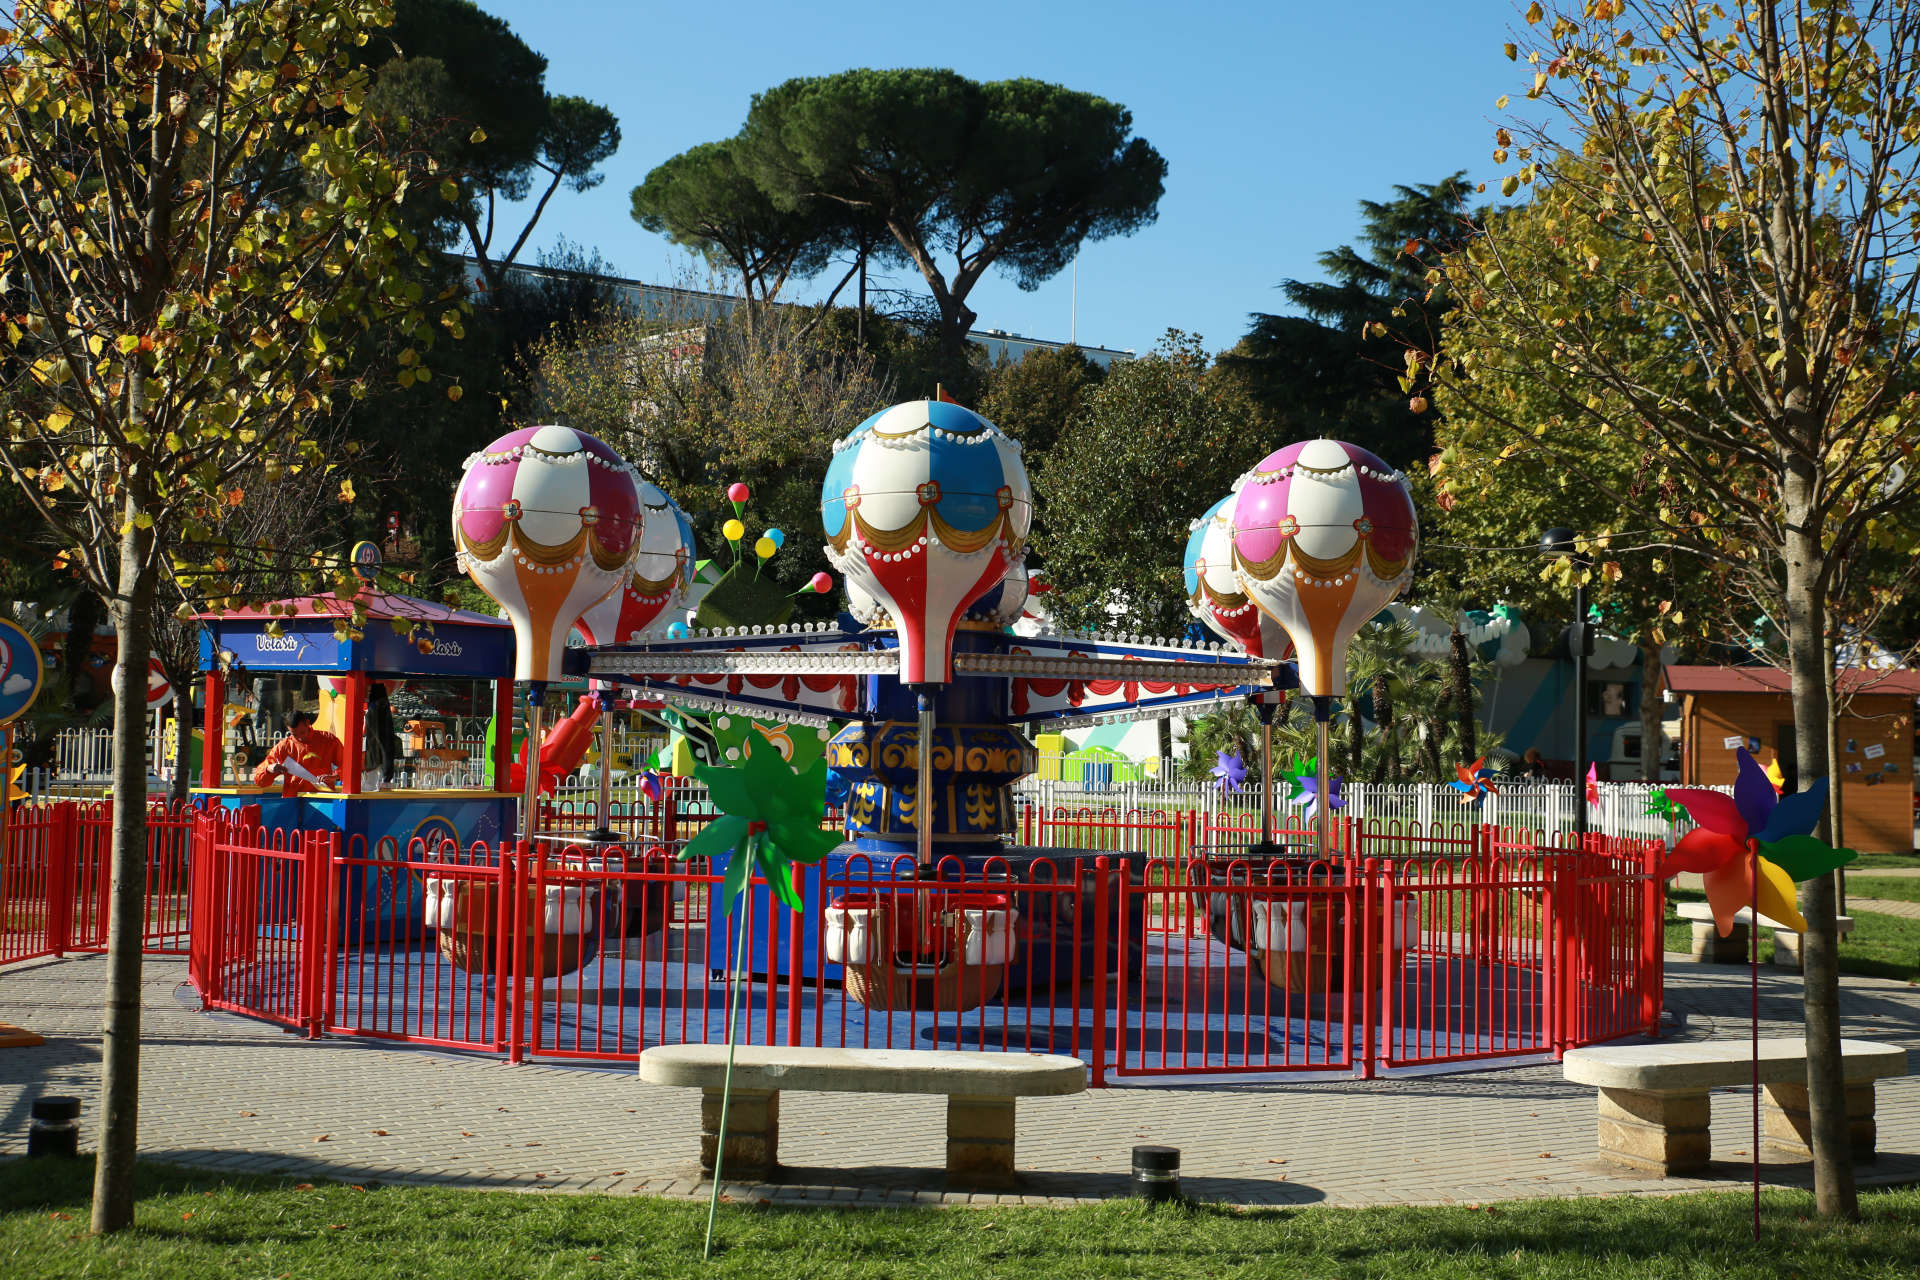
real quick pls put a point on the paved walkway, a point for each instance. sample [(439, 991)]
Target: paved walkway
[(226, 1093), (1885, 906)]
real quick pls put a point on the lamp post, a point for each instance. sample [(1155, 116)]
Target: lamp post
[(1561, 542)]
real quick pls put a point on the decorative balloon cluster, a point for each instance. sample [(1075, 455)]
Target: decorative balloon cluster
[(767, 545)]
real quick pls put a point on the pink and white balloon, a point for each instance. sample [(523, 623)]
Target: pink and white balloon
[(1214, 594), (654, 595), (1323, 537), (547, 522), (926, 506)]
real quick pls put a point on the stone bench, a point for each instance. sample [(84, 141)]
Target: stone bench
[(1653, 1097), (981, 1089), (1710, 948)]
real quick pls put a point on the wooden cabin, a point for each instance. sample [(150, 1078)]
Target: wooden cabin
[(1725, 708)]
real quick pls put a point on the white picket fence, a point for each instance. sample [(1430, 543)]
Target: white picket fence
[(1536, 806)]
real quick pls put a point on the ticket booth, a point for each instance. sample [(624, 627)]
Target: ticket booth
[(438, 769)]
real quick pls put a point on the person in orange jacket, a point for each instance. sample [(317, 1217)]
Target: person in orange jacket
[(314, 750)]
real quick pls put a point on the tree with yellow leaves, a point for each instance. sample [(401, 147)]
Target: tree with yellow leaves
[(197, 222), (1754, 168)]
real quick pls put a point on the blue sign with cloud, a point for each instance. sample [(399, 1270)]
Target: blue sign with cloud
[(20, 672)]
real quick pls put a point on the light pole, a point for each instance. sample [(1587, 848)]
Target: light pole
[(1561, 542)]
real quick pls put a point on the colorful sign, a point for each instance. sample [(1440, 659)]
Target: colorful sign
[(21, 672), (366, 561)]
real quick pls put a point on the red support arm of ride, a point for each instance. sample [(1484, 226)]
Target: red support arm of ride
[(212, 727), (353, 733)]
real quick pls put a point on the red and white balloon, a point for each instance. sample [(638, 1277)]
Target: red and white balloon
[(655, 593), (1214, 593)]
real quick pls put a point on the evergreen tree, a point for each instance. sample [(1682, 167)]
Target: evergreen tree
[(1337, 369)]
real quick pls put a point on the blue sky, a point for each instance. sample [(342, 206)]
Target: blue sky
[(1275, 119)]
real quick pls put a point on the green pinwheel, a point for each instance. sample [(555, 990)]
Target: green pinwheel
[(1659, 806), (770, 818)]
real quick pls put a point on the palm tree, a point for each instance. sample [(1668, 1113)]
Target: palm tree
[(1451, 608), (1377, 658)]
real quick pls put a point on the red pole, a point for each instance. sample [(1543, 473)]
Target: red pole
[(353, 732), (212, 728), (503, 734), (1653, 940), (796, 936), (512, 961), (1101, 906)]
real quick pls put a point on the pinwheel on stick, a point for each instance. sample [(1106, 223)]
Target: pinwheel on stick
[(1474, 783)]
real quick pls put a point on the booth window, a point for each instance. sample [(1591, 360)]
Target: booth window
[(439, 736), (256, 711)]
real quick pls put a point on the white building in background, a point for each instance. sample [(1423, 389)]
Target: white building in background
[(657, 301)]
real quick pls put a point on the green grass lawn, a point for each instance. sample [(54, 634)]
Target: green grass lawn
[(1897, 888), (1880, 946), (193, 1225)]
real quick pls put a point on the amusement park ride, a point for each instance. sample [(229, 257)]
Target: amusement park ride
[(921, 693), (926, 508)]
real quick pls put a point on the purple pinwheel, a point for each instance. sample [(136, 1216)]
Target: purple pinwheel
[(1309, 796), (1720, 847), (1230, 769)]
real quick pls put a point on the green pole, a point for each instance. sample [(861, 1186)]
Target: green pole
[(735, 975)]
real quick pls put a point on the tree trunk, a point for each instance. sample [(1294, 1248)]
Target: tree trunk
[(1463, 695), (1833, 1182), (132, 612), (1383, 717), (1652, 743), (1356, 739), (182, 744)]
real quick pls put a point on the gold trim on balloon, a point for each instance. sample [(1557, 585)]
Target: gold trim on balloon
[(909, 534)]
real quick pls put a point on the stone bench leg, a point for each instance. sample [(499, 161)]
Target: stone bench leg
[(1710, 948), (753, 1133), (1786, 950), (1663, 1133), (980, 1141), (1788, 1132)]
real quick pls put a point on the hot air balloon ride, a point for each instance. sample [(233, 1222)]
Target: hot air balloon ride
[(1323, 538), (1214, 594), (653, 597), (547, 521), (926, 508)]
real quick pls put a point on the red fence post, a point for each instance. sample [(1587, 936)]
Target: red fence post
[(1365, 901), (314, 868), (513, 894), (1102, 905), (63, 850), (796, 938), (1653, 937)]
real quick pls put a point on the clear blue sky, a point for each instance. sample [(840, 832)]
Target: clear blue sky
[(1275, 118)]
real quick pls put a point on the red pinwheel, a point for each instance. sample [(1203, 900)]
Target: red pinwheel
[(1720, 848), (1476, 782), (1593, 784)]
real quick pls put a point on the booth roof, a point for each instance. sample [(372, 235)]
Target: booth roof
[(380, 606), (1711, 679)]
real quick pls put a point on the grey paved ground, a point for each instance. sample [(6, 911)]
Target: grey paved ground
[(226, 1093)]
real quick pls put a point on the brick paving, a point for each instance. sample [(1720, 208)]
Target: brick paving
[(1884, 906), (224, 1092)]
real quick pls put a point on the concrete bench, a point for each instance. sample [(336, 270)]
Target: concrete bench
[(981, 1089), (1710, 948), (1653, 1097)]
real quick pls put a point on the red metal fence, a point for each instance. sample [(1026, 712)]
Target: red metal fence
[(56, 883), (1137, 947), (1140, 963)]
